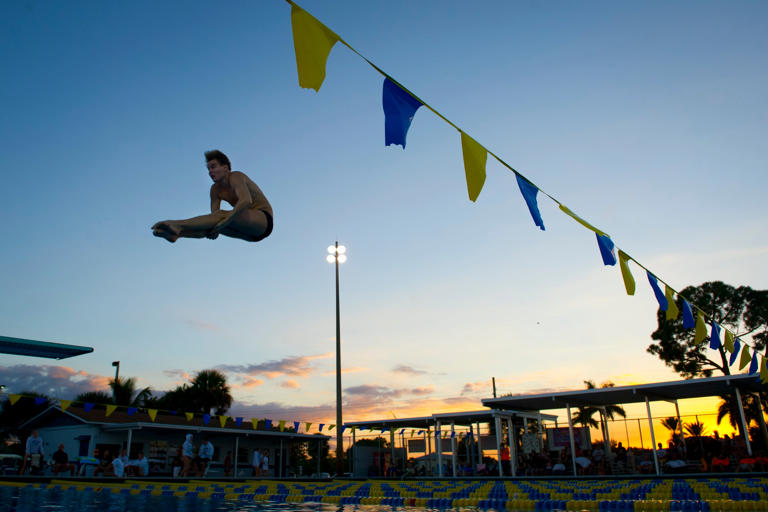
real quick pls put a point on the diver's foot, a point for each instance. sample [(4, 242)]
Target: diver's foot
[(165, 230)]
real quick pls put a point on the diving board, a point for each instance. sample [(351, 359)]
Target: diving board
[(33, 348)]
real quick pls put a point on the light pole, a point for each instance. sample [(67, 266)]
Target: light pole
[(336, 254), (116, 364)]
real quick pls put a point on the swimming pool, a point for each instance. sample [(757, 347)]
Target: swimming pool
[(704, 494)]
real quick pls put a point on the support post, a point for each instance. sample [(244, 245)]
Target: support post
[(512, 446), (470, 451), (499, 435), (573, 443), (453, 447), (743, 422), (392, 446), (640, 430), (680, 426), (439, 448), (237, 449), (541, 433), (653, 436), (354, 449), (479, 445), (128, 444), (761, 418)]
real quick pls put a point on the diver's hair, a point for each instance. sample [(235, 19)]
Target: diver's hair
[(217, 155)]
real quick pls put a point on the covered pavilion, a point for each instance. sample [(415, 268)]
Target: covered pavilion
[(660, 391), (472, 420)]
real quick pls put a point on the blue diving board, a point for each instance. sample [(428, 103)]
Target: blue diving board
[(32, 348)]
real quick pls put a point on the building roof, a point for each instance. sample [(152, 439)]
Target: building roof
[(32, 348), (164, 420), (667, 391), (458, 418)]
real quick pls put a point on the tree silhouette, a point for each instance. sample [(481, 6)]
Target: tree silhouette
[(94, 397), (695, 428), (211, 391), (125, 393), (742, 310)]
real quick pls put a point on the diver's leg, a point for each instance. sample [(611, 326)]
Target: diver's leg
[(196, 227)]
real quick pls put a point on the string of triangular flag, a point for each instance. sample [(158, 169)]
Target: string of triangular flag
[(207, 419), (313, 42)]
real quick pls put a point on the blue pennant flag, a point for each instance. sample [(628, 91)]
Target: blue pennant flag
[(663, 305), (714, 339), (529, 192), (419, 432), (206, 419), (320, 427), (399, 109), (87, 406), (401, 432), (606, 249), (41, 401), (453, 433), (735, 354), (688, 321), (296, 426), (384, 429), (239, 421), (753, 366), (172, 413), (343, 428), (268, 424), (131, 411)]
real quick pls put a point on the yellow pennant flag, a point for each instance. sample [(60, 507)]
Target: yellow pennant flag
[(307, 425), (281, 425), (152, 414), (312, 42), (331, 427), (763, 371), (14, 398), (475, 157), (189, 415), (701, 329), (728, 343), (255, 423), (223, 420), (745, 357), (65, 404), (672, 310), (581, 221), (110, 409), (629, 281)]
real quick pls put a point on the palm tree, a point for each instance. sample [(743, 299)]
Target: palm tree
[(695, 429), (94, 397), (211, 391), (584, 415), (124, 392)]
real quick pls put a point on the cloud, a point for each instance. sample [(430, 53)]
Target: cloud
[(250, 383), (203, 326), (178, 374), (290, 384), (408, 370), (55, 381), (475, 387), (374, 392), (296, 366)]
